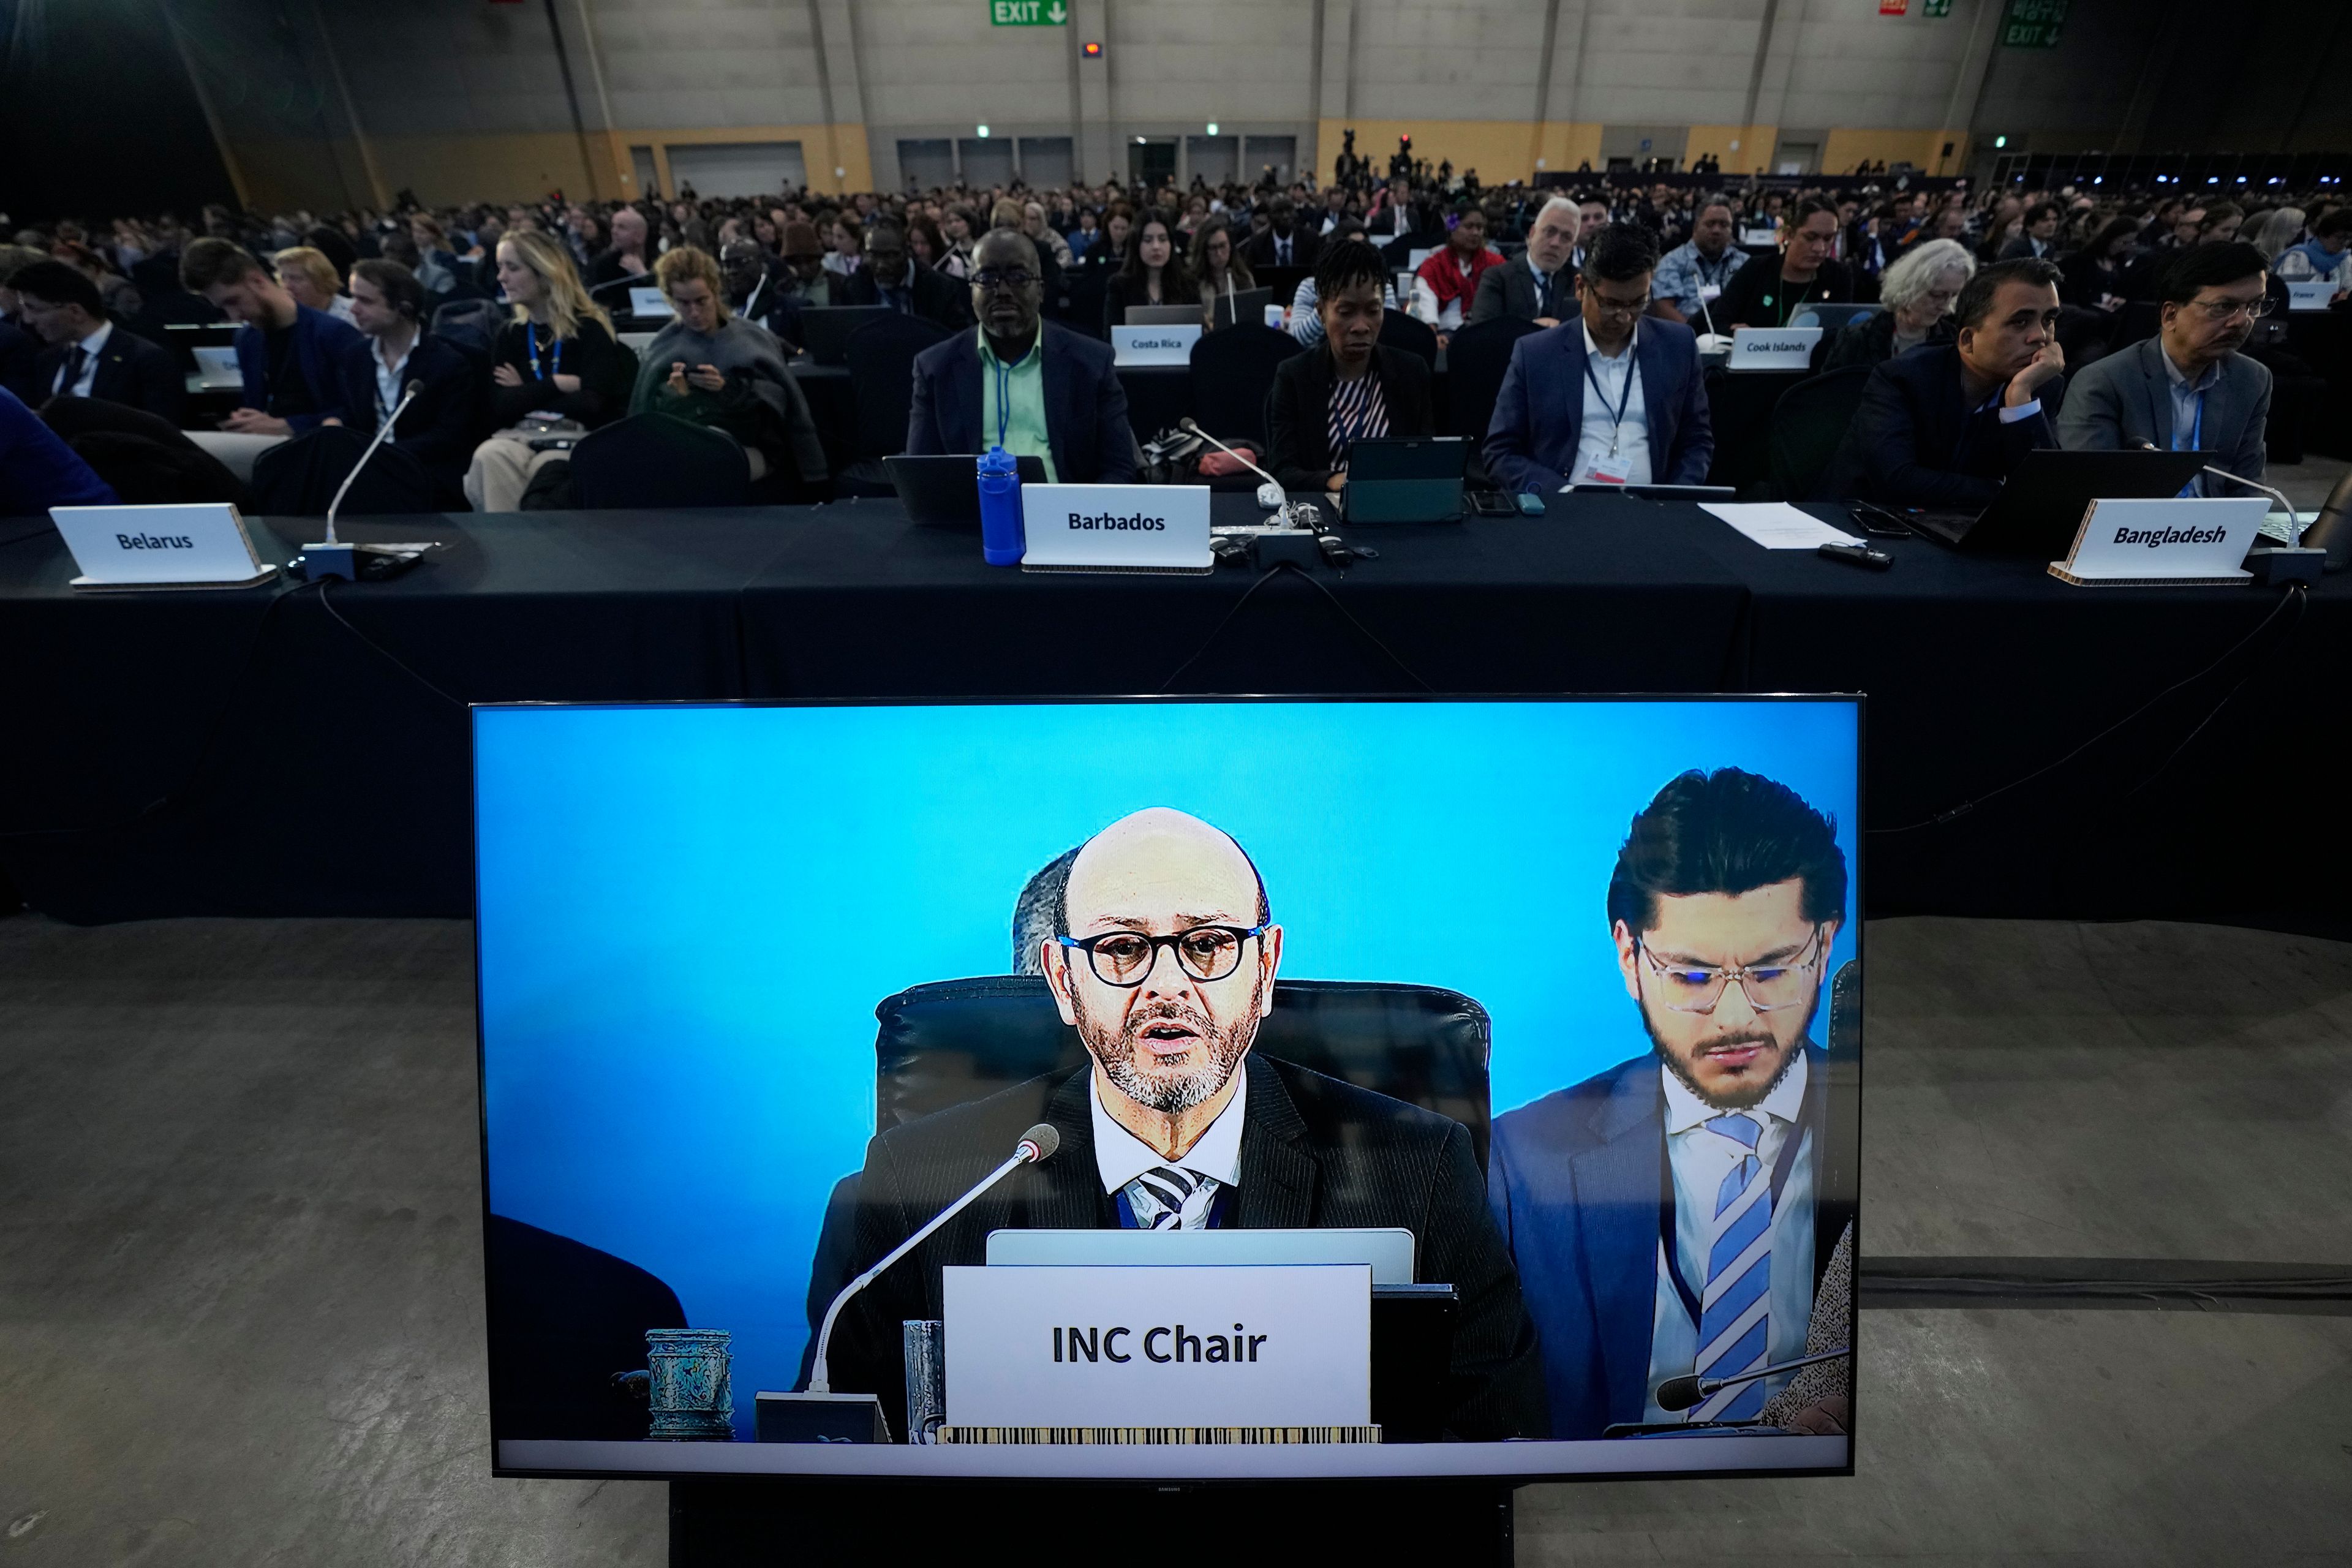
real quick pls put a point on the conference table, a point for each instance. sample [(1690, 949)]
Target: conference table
[(303, 749)]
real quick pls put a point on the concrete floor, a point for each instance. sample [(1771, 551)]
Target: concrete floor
[(240, 1319)]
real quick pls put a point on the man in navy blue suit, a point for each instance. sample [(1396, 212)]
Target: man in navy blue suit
[(1609, 399), (1020, 381), (1674, 1215)]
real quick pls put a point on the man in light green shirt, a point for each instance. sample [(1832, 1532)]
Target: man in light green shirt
[(1012, 398)]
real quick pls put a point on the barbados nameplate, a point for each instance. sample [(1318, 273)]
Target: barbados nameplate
[(1269, 1345), (1117, 528)]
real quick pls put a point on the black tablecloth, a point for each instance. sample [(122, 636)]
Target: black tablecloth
[(303, 750)]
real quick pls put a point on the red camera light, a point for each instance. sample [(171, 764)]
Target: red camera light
[(1094, 51)]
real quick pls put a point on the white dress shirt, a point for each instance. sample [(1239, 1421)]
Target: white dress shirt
[(1699, 1161), (388, 377), (1120, 1156), (1602, 433), (89, 347)]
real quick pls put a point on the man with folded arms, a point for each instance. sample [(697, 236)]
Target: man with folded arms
[(1163, 958)]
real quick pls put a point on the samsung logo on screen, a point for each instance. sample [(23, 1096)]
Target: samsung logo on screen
[(2153, 537), (1111, 523), (154, 542), (1161, 1344)]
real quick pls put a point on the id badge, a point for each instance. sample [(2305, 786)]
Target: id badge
[(1710, 292), (1611, 468)]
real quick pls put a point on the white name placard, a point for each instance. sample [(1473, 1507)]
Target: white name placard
[(1118, 527), (2178, 541), (1773, 348), (160, 546), (648, 302), (1760, 237), (2315, 295), (1153, 345), (1270, 1345)]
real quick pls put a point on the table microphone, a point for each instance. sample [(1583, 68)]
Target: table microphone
[(1682, 1393), (330, 557), (2296, 562), (1268, 494), (1036, 1146)]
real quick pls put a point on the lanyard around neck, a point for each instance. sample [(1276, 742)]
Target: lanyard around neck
[(1625, 398), (531, 328)]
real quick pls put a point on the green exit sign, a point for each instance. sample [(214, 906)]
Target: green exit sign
[(1936, 8), (1029, 13), (2033, 23)]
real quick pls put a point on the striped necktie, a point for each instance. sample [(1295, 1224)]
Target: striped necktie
[(1736, 1307), (1169, 1197)]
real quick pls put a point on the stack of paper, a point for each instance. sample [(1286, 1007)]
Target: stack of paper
[(1776, 525)]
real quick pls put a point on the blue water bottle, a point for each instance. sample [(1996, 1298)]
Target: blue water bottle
[(1003, 542)]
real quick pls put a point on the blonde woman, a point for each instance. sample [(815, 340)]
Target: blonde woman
[(558, 357), (309, 276), (712, 367)]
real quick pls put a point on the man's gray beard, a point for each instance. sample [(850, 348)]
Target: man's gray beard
[(1170, 1097), (1745, 1099)]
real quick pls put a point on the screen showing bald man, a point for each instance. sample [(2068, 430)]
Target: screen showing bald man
[(1163, 958)]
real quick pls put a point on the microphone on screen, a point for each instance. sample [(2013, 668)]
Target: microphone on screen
[(1682, 1393), (1268, 493), (1036, 1147)]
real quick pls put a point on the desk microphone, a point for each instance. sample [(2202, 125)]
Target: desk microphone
[(1268, 494), (1682, 1393), (1036, 1146), (2297, 562), (330, 557)]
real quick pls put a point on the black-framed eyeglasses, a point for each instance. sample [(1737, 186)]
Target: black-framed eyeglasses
[(1126, 958), (1015, 279), (2222, 309), (1696, 988)]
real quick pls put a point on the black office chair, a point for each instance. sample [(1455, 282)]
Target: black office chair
[(299, 478), (1233, 372), (1475, 360), (881, 356), (1808, 425), (658, 460), (954, 1041), (471, 323), (1399, 330)]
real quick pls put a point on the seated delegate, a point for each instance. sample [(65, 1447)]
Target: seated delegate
[(1943, 428), (1610, 399), (1348, 388), (1020, 381), (286, 352), (1761, 294), (891, 278), (89, 354), (711, 367), (557, 356), (1917, 294), (395, 352), (2188, 388)]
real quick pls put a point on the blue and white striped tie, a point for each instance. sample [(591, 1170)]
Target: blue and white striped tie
[(1736, 1309), (1169, 1198)]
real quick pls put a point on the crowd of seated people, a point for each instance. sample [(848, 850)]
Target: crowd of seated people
[(505, 323)]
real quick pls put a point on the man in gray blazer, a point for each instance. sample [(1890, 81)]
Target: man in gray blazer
[(1537, 285), (2188, 388)]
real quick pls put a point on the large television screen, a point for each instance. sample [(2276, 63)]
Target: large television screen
[(1502, 1057)]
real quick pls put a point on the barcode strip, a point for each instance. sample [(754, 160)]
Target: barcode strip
[(1124, 1435)]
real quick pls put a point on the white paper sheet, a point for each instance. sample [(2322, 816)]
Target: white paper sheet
[(1776, 525)]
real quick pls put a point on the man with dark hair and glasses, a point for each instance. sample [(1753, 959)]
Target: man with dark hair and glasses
[(1609, 398), (1020, 381), (2188, 388), (891, 277), (1163, 958), (1942, 426), (1676, 1214)]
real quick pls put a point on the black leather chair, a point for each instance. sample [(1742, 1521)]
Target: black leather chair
[(299, 478), (1233, 372), (1399, 330), (954, 1041), (1808, 425), (881, 356), (658, 460), (1475, 360)]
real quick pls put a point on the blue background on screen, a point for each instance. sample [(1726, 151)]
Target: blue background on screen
[(688, 915)]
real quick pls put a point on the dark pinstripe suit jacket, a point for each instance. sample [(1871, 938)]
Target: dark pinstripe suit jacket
[(1315, 1152)]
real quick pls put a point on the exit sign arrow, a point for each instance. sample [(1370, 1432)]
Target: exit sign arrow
[(1028, 12)]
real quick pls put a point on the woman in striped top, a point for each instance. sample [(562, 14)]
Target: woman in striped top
[(1349, 388)]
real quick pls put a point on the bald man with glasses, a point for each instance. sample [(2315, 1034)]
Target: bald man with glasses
[(1162, 957)]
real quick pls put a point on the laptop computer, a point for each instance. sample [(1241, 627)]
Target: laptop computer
[(825, 329), (1406, 480), (1247, 305), (1831, 317), (1163, 315), (945, 490), (2042, 506)]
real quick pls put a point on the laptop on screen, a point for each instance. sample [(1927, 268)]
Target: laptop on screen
[(1247, 305), (946, 490), (2038, 510), (1163, 315), (1410, 480)]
